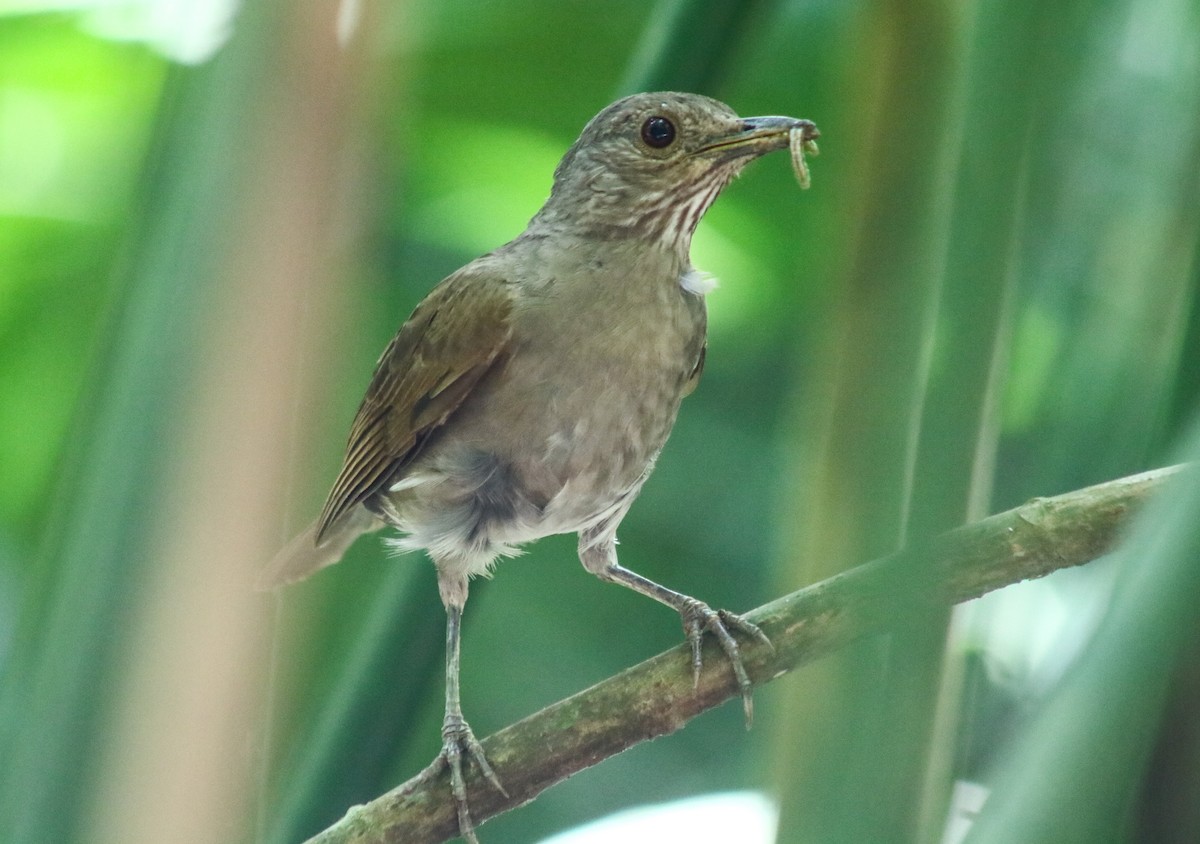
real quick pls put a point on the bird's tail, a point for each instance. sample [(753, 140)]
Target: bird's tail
[(303, 556)]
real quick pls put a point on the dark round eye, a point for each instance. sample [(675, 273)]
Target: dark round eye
[(658, 132)]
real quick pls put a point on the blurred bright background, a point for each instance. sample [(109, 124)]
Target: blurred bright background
[(213, 216)]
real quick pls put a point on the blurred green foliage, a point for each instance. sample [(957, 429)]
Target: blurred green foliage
[(988, 294)]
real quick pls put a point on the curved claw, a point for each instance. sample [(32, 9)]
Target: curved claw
[(698, 617), (457, 741)]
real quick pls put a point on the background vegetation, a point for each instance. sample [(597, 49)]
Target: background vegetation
[(212, 220)]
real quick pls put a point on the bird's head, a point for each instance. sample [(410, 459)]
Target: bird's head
[(650, 165)]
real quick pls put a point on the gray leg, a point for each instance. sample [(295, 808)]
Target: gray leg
[(599, 556), (457, 738)]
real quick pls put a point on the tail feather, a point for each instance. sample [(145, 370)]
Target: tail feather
[(303, 556)]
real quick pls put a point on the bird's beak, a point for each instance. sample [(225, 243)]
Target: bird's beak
[(758, 135)]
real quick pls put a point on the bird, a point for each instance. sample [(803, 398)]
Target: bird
[(531, 391)]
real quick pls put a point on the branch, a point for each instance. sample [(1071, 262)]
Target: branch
[(657, 697)]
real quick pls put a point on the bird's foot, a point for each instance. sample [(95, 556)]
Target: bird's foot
[(458, 742), (699, 617)]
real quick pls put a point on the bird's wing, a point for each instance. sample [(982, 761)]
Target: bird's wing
[(453, 337), (693, 380)]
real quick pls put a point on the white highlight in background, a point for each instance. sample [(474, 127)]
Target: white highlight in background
[(746, 817)]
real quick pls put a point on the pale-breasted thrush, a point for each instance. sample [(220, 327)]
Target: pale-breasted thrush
[(531, 391)]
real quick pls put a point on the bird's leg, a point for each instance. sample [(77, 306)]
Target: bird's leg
[(601, 560), (457, 738)]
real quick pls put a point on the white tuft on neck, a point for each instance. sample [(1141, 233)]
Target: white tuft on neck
[(694, 281)]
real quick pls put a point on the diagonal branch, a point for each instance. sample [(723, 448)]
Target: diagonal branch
[(657, 697)]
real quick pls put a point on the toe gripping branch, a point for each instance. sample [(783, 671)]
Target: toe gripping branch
[(458, 742), (698, 617)]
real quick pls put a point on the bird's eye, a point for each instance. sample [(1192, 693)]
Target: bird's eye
[(658, 132)]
